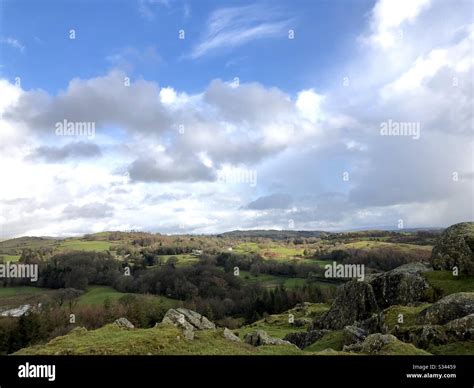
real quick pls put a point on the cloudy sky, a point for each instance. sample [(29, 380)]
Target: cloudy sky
[(208, 116)]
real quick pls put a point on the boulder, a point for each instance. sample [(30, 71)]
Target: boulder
[(353, 334), (355, 301), (199, 321), (260, 337), (187, 320), (175, 318), (427, 335), (461, 328), (228, 334), (124, 322), (449, 308), (455, 248), (402, 285), (375, 342), (304, 339)]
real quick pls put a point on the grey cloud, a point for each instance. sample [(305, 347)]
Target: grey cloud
[(91, 210), (182, 170), (273, 201), (75, 150), (102, 101)]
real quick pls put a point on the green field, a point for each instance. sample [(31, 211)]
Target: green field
[(9, 258), (97, 295), (16, 291), (369, 244), (83, 245)]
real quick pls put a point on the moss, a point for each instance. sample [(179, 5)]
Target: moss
[(410, 315), (454, 348), (332, 340), (402, 348)]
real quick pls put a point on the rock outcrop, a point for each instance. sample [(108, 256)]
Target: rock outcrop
[(228, 334), (260, 337), (355, 301), (402, 285), (449, 308), (353, 334), (372, 344), (124, 322), (461, 329), (187, 319), (304, 339), (455, 248)]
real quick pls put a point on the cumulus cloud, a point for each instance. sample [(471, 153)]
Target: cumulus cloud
[(319, 155)]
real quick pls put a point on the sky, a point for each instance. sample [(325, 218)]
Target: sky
[(180, 116)]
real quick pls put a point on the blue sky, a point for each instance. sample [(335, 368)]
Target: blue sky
[(176, 145), (108, 29)]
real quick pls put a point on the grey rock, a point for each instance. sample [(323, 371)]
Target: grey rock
[(353, 334), (228, 334), (304, 339), (355, 301), (187, 320), (461, 328), (260, 337), (449, 308), (124, 322)]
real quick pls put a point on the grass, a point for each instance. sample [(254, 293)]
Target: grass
[(370, 244), (277, 325), (161, 340), (449, 284), (271, 281), (410, 315), (82, 245), (454, 348), (9, 258), (402, 349), (16, 291), (182, 260), (332, 340), (97, 295)]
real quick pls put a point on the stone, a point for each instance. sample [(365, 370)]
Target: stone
[(260, 337), (124, 323), (353, 334), (304, 339), (228, 334), (355, 301), (449, 308)]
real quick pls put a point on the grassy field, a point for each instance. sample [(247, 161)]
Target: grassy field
[(272, 281), (9, 258), (15, 291), (182, 260), (449, 284), (97, 295), (369, 244), (83, 245)]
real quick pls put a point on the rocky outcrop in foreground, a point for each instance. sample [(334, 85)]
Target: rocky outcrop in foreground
[(450, 307), (260, 337)]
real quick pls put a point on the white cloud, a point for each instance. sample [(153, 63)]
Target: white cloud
[(231, 27), (12, 42), (389, 15)]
